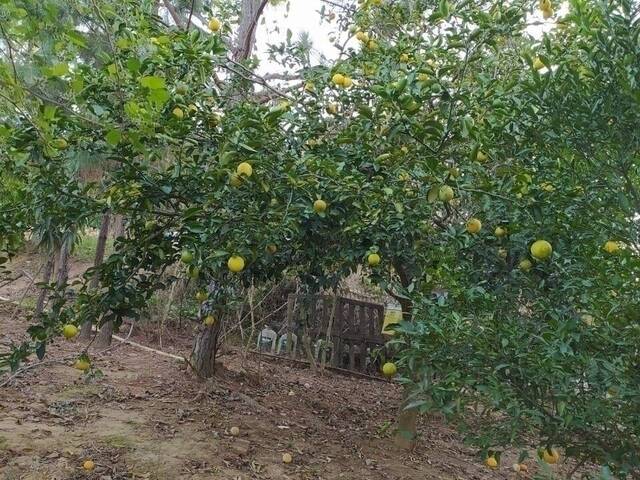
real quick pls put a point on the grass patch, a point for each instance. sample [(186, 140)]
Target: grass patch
[(118, 441), (78, 391), (29, 302), (85, 249), (4, 443)]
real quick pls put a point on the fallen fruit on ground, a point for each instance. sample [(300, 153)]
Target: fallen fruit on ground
[(481, 156), (500, 232), (373, 259), (209, 320), (550, 456), (88, 465), (69, 331), (236, 263), (541, 249), (287, 458), (234, 431), (272, 248), (491, 462)]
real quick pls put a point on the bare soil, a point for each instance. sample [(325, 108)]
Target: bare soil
[(141, 415)]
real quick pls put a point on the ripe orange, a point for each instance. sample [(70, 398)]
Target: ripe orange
[(178, 113), (373, 259), (474, 225), (611, 247), (550, 456), (236, 263), (244, 169), (389, 369), (541, 249), (69, 331), (491, 462), (319, 206), (214, 24)]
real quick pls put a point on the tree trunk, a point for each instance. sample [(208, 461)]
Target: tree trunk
[(103, 340), (118, 226), (46, 278), (250, 13), (205, 349), (101, 245), (407, 421), (406, 428), (62, 274)]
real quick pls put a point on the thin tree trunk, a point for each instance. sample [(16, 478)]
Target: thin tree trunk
[(251, 10), (103, 340), (46, 278), (205, 345), (407, 420), (205, 349), (62, 275), (118, 226), (406, 428), (101, 245)]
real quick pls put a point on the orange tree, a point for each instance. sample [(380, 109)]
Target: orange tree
[(442, 113), (526, 345)]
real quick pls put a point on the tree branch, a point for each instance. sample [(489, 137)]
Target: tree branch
[(193, 4), (247, 29), (10, 48), (174, 13)]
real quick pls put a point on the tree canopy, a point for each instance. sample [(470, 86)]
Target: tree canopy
[(446, 138)]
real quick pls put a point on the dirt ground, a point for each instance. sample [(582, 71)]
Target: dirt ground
[(148, 417)]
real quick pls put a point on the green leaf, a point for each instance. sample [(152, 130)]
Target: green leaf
[(160, 96), (40, 350), (77, 84), (113, 137), (153, 82), (76, 38), (133, 65), (58, 70)]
